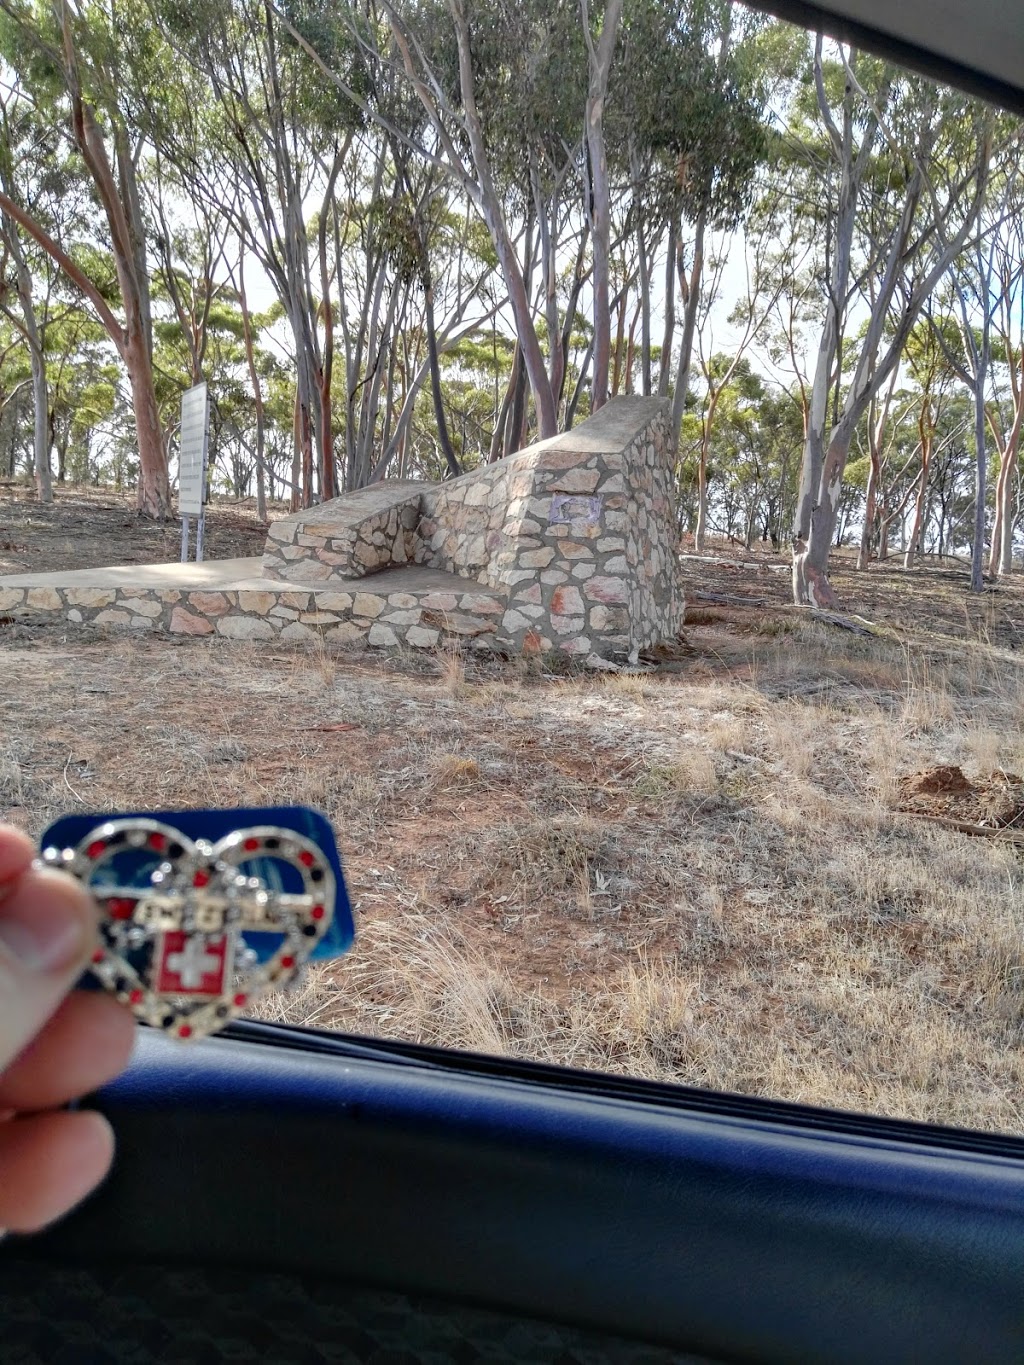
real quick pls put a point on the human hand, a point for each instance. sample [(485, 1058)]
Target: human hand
[(55, 1043)]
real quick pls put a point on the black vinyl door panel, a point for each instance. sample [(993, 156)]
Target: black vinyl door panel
[(758, 1233)]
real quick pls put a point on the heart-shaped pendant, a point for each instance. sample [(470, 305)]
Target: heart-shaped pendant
[(193, 932)]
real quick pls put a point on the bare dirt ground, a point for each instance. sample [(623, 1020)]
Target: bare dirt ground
[(90, 528), (710, 872)]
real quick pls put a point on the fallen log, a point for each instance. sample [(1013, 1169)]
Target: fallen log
[(857, 624), (751, 565), (726, 599), (1002, 832)]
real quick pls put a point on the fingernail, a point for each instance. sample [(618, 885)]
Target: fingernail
[(44, 924)]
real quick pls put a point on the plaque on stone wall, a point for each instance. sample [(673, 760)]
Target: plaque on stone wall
[(567, 508)]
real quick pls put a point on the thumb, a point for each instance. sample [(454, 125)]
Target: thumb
[(47, 933)]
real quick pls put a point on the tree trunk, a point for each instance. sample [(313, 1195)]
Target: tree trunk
[(620, 336), (885, 520), (154, 492), (497, 450), (600, 193), (646, 378), (485, 195), (864, 557), (691, 304), (700, 536), (41, 424), (295, 493), (702, 472), (631, 351), (810, 559), (454, 468), (257, 389), (577, 393), (665, 374), (926, 431), (1001, 553), (515, 434), (980, 471)]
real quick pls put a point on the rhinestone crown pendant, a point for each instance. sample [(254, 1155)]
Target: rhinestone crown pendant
[(202, 938)]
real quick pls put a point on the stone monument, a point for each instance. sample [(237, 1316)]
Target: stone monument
[(573, 538)]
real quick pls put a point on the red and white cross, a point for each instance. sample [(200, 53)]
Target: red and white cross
[(191, 964)]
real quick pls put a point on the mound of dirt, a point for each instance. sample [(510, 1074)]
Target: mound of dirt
[(944, 781), (995, 801)]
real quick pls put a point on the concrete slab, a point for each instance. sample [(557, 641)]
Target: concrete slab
[(234, 574)]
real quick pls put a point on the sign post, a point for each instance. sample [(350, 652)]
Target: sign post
[(193, 444)]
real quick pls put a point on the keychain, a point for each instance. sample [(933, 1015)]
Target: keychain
[(205, 912)]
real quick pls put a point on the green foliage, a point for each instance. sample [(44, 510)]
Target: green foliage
[(692, 114)]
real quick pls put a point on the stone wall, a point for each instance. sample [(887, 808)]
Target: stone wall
[(348, 537), (578, 531), (656, 603), (386, 614)]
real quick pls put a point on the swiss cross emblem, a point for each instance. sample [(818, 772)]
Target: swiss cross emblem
[(192, 964)]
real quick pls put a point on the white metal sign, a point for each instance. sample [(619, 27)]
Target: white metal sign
[(193, 442), (192, 446)]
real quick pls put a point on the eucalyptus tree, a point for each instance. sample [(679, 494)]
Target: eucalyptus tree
[(1006, 284), (970, 311), (23, 180), (502, 89), (889, 463), (600, 50), (768, 275), (271, 137), (935, 382), (899, 152), (78, 60), (686, 126)]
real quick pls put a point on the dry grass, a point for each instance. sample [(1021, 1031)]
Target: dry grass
[(694, 875)]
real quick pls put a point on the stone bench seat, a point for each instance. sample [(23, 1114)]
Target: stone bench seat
[(350, 537)]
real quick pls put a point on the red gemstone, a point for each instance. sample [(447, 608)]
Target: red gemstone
[(135, 998), (317, 912), (98, 955), (288, 961), (95, 849), (120, 908), (241, 999), (251, 845), (158, 842), (201, 878), (306, 858), (185, 1031)]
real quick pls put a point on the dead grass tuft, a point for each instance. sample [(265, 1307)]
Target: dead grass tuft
[(692, 775), (455, 770)]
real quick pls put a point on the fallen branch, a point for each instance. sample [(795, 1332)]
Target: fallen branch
[(1010, 836), (727, 599), (857, 624), (751, 565)]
